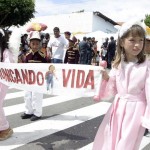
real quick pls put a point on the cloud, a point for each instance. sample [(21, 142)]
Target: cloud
[(116, 10)]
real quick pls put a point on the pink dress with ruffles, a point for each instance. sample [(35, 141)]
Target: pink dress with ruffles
[(8, 58), (124, 124)]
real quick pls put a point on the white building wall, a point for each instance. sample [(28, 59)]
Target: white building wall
[(102, 25), (84, 22), (75, 22)]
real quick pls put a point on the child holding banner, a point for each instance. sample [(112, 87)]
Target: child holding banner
[(10, 55), (33, 100), (5, 130), (129, 81)]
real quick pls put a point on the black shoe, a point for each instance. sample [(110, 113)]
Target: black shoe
[(34, 118), (26, 116), (146, 132)]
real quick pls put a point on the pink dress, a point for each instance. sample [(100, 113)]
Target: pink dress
[(8, 58), (124, 124)]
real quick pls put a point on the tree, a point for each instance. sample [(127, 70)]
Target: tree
[(147, 20), (14, 12)]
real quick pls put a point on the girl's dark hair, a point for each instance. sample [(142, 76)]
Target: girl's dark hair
[(135, 30)]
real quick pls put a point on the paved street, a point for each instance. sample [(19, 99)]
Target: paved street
[(68, 123)]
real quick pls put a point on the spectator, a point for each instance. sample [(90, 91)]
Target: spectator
[(104, 48), (56, 47), (83, 46), (111, 51), (67, 35), (71, 56), (97, 58), (47, 37), (89, 51)]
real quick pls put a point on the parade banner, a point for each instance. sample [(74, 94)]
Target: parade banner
[(54, 79)]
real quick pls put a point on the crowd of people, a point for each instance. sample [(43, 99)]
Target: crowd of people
[(122, 123), (62, 48), (68, 49)]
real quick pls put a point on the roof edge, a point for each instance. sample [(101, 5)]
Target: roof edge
[(97, 13)]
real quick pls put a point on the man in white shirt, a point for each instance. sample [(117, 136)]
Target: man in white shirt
[(56, 47)]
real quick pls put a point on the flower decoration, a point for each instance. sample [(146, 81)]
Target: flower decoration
[(37, 27)]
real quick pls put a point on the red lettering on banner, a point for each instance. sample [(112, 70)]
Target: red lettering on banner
[(31, 77), (65, 79), (89, 80), (25, 76), (78, 78), (73, 76), (6, 75), (11, 75), (22, 76), (40, 76), (18, 78)]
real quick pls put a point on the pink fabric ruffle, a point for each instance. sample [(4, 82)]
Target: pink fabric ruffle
[(107, 90)]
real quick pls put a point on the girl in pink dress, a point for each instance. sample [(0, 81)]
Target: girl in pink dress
[(9, 56), (129, 82)]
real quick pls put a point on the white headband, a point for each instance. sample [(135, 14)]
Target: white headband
[(128, 25)]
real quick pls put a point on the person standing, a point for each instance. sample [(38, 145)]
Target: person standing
[(83, 46), (67, 35), (56, 47), (33, 100), (5, 129), (97, 58), (47, 37), (124, 123), (104, 48), (111, 51), (71, 56), (89, 51), (147, 52), (10, 55)]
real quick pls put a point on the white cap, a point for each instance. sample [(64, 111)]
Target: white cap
[(126, 26), (35, 35)]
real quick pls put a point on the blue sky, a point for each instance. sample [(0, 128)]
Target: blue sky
[(117, 10)]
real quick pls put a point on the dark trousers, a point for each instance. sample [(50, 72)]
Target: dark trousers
[(109, 60), (83, 57), (89, 58)]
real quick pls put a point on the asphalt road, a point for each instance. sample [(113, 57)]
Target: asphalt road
[(66, 124)]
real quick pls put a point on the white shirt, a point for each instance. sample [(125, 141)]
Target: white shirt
[(58, 47)]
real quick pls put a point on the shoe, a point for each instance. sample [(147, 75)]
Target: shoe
[(26, 116), (147, 133), (34, 118), (5, 134)]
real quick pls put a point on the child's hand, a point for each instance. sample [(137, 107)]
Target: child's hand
[(96, 98), (105, 75)]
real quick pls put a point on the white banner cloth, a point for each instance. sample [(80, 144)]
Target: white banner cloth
[(48, 78)]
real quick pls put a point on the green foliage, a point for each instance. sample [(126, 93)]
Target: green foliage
[(16, 12), (147, 20)]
